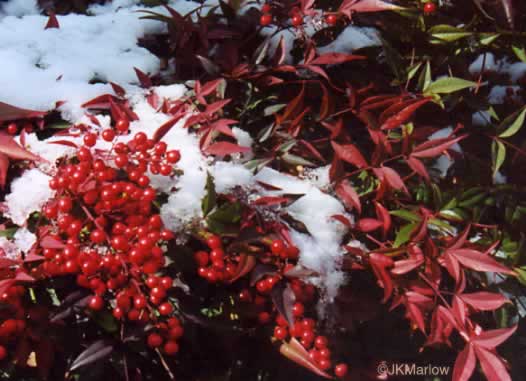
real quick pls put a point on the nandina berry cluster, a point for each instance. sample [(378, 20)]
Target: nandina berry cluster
[(216, 266), (295, 16), (103, 228)]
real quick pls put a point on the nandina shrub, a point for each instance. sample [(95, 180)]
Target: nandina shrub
[(431, 253)]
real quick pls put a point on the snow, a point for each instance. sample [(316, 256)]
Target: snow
[(489, 63), (29, 193), (351, 39), (19, 8), (24, 239)]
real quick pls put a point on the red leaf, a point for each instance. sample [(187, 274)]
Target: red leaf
[(245, 265), (222, 125), (8, 112), (349, 6), (435, 147), (492, 366), (494, 338), (270, 200), (294, 351), (64, 143), (393, 179), (216, 106), (348, 195), (383, 215), (4, 166), (225, 148), (404, 115), (459, 310), (465, 364), (417, 166), (404, 266), (335, 58), (294, 105), (344, 220), (118, 89), (484, 301), (52, 22), (478, 261), (49, 242), (350, 154), (367, 225), (102, 102), (144, 80), (167, 126), (380, 263), (10, 148)]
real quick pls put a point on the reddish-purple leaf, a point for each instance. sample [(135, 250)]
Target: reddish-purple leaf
[(270, 200), (52, 22), (380, 263), (478, 261), (350, 154), (404, 115), (383, 215), (435, 147), (8, 112), (459, 310), (393, 179), (404, 266), (163, 130), (484, 301), (245, 265), (48, 242), (4, 166), (10, 148), (417, 166), (348, 195), (464, 364), (294, 105), (492, 366), (225, 148), (67, 143), (344, 220), (334, 59), (367, 225), (118, 89), (294, 351), (494, 338), (349, 6), (144, 80)]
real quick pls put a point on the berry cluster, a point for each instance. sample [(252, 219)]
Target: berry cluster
[(104, 229), (295, 16), (13, 317), (13, 128)]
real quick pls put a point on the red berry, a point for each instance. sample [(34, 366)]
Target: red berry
[(108, 135), (122, 125), (280, 333), (340, 370), (331, 19), (175, 332), (96, 303), (90, 139), (171, 348), (65, 204), (264, 317), (429, 8), (12, 129), (214, 242), (173, 156), (277, 246), (154, 340), (139, 302), (265, 19), (321, 342), (97, 236), (266, 8), (298, 309), (324, 364), (165, 309), (3, 352), (201, 258), (296, 20)]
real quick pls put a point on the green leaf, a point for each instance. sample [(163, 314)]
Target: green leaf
[(448, 85), (512, 124), (521, 272), (271, 110), (225, 219), (520, 53), (8, 233), (406, 215), (488, 38), (210, 200), (498, 155), (404, 234), (441, 225), (411, 72), (447, 33)]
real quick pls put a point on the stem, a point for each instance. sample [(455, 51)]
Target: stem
[(165, 365)]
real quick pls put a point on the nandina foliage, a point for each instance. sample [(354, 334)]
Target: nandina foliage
[(441, 263)]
